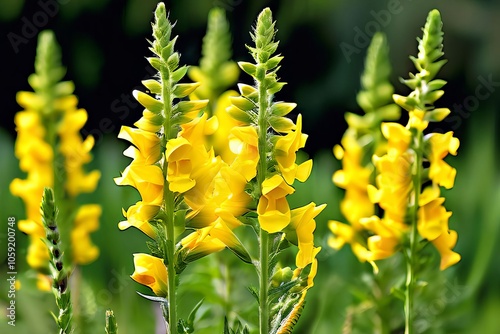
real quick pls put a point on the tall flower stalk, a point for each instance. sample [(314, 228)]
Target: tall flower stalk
[(409, 171), (187, 205), (429, 218), (265, 145), (52, 152), (59, 274)]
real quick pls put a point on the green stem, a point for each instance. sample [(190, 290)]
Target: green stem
[(169, 206), (263, 235), (412, 251)]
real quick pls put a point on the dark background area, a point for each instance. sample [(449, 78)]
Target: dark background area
[(104, 46)]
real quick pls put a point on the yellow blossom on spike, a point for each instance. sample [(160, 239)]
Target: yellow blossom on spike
[(178, 153), (444, 244), (344, 233), (354, 178), (138, 215), (86, 221), (226, 124), (300, 231), (273, 208), (151, 272), (148, 180), (285, 153), (38, 254), (146, 149), (417, 120), (440, 145), (43, 282), (243, 143), (199, 244)]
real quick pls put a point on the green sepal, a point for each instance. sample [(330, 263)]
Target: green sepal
[(178, 74), (166, 52), (242, 103), (153, 85), (273, 62), (64, 88), (276, 87), (437, 115), (149, 102), (282, 108), (248, 68), (281, 124), (185, 107), (247, 90), (156, 63), (239, 114), (183, 90), (436, 84), (173, 61)]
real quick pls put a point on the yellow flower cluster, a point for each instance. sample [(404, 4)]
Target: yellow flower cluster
[(52, 152), (409, 170)]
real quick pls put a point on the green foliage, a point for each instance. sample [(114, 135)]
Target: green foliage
[(111, 325), (59, 274)]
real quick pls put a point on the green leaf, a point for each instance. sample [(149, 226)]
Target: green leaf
[(254, 291)]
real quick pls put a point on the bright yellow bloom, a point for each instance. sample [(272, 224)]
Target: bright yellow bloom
[(38, 254), (148, 180), (398, 138), (394, 183), (440, 145), (433, 226), (285, 153), (243, 143), (300, 231), (146, 149), (223, 198), (344, 233), (417, 120), (178, 153), (211, 239), (138, 215), (444, 244), (226, 124), (151, 272), (273, 208), (43, 282), (86, 221), (386, 238), (354, 178)]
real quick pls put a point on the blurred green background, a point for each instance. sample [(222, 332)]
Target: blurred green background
[(324, 43)]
